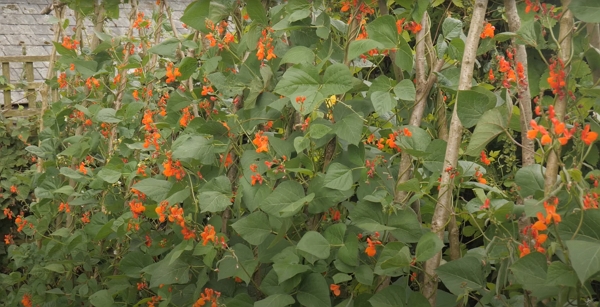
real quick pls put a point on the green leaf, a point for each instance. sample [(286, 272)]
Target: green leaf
[(383, 30), (471, 106), (167, 273), (369, 217), (108, 175), (451, 28), (166, 48), (313, 243), (560, 274), (585, 258), (318, 131), (358, 47), (364, 275), (286, 271), (395, 256), (586, 10), (301, 143), (404, 56), (336, 80), (102, 299), (276, 300), (298, 55), (348, 253), (383, 102), (253, 228), (287, 198), (491, 124), (338, 177), (257, 12), (462, 274), (55, 267), (214, 201), (341, 277), (584, 227), (349, 128), (527, 34), (314, 291), (155, 189), (391, 296), (194, 147), (298, 78), (107, 115), (86, 68), (195, 14), (428, 246), (335, 234), (405, 90), (530, 179), (242, 266), (530, 272), (408, 228), (187, 67)]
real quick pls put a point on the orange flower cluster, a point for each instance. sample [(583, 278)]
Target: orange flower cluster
[(173, 169), (390, 141), (141, 170), (228, 160), (92, 82), (370, 250), (488, 31), (155, 300), (85, 218), (207, 90), (162, 104), (590, 201), (363, 10), (541, 225), (152, 135), (160, 210), (186, 117), (26, 300), (64, 207), (148, 241), (62, 80), (479, 176), (171, 73), (176, 216), (411, 26), (141, 22), (21, 222), (13, 189), (506, 69), (137, 208), (69, 43), (556, 80), (209, 296), (8, 239), (530, 6), (256, 177), (8, 213), (559, 130), (335, 214), (208, 234), (79, 116), (335, 289), (588, 136), (261, 142), (265, 44), (484, 159), (82, 168)]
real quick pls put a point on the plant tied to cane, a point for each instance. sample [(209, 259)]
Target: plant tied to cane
[(254, 159)]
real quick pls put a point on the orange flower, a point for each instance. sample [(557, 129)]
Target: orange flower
[(540, 225), (484, 158), (171, 73), (136, 95), (69, 43), (26, 300), (208, 234), (72, 67), (176, 215), (82, 168), (13, 189), (92, 82), (551, 214), (370, 250), (491, 75), (62, 80), (521, 74), (8, 213), (188, 234), (160, 210), (556, 80), (524, 249), (413, 26), (186, 117), (399, 24), (346, 5), (209, 295), (85, 218), (64, 207), (207, 90), (335, 289), (546, 139), (211, 39), (588, 136), (228, 160), (140, 22), (261, 142), (229, 38), (256, 178), (173, 169), (407, 132), (8, 239), (137, 208), (488, 31)]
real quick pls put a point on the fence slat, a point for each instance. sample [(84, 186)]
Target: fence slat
[(31, 93), (7, 95)]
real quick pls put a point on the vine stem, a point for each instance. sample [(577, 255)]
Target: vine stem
[(444, 206)]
